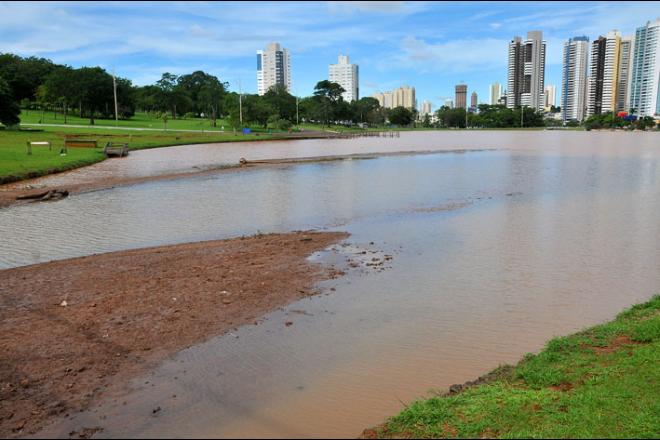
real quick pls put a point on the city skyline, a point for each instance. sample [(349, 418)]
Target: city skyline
[(408, 49)]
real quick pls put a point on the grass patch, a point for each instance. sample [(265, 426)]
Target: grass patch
[(603, 382)]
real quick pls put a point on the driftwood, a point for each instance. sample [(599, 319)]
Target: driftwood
[(52, 194)]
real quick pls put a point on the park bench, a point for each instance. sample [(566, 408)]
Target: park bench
[(77, 142), (112, 149), (37, 144)]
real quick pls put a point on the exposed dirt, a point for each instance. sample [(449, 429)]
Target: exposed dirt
[(615, 345), (73, 330)]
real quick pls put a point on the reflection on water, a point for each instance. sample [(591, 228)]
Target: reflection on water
[(547, 244), (193, 158)]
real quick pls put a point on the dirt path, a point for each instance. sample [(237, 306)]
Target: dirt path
[(75, 330)]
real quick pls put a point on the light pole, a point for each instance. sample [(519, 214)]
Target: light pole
[(114, 88), (297, 118), (240, 103)]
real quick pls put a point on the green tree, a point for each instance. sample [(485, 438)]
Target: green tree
[(24, 75), (327, 94), (401, 116), (282, 102), (9, 109)]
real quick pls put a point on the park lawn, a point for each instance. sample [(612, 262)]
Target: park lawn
[(139, 120), (601, 382), (16, 164)]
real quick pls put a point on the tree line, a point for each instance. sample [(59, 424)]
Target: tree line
[(33, 82)]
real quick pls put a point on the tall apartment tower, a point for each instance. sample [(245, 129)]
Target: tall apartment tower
[(574, 79), (461, 96), (346, 75), (426, 108), (449, 103), (474, 100), (526, 75), (401, 97), (646, 70), (603, 80), (273, 68), (549, 97), (495, 93), (625, 74), (404, 97)]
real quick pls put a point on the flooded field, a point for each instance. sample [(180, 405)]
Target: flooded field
[(494, 253)]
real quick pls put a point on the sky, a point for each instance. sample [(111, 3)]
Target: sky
[(431, 46)]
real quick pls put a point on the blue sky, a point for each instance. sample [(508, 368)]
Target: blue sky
[(429, 45)]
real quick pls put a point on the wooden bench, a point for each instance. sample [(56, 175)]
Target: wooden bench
[(116, 150), (75, 142), (37, 144)]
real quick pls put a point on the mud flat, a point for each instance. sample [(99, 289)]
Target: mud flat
[(76, 330)]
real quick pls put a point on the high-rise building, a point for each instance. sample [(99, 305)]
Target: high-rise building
[(449, 103), (346, 75), (603, 80), (526, 73), (549, 97), (625, 74), (426, 108), (474, 100), (273, 68), (401, 97), (645, 80), (495, 93), (461, 96), (574, 79)]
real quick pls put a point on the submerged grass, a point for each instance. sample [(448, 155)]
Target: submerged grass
[(601, 382)]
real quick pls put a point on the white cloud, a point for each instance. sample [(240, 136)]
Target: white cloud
[(455, 56)]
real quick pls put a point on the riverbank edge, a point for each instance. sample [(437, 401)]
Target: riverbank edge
[(600, 382), (10, 197), (28, 175), (76, 331)]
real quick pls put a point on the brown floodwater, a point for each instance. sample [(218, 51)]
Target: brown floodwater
[(494, 252)]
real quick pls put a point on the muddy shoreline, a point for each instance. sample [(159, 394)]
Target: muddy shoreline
[(11, 194), (75, 331)]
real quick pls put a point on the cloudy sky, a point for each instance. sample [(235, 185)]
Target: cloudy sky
[(429, 45)]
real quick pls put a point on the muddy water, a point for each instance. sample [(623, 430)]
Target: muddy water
[(494, 253), (195, 158)]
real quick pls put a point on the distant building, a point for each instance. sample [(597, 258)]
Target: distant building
[(426, 108), (625, 73), (603, 80), (495, 93), (347, 76), (526, 73), (574, 79), (474, 101), (461, 96), (645, 81), (273, 68), (449, 103), (549, 97), (401, 97)]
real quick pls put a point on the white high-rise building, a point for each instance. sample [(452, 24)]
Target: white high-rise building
[(273, 68), (645, 80), (549, 97), (449, 103), (346, 75), (495, 93), (526, 73), (603, 81), (574, 79), (625, 74)]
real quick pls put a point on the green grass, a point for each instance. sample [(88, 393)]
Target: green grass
[(16, 164), (601, 382)]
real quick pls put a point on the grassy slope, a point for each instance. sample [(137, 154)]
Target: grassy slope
[(601, 382)]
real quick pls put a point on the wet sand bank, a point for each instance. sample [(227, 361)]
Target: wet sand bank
[(77, 330)]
